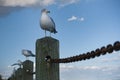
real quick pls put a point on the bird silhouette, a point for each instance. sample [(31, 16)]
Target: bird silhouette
[(19, 63), (27, 53), (46, 22)]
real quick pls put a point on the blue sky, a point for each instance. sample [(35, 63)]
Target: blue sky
[(82, 25)]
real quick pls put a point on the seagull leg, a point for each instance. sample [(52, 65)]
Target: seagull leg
[(45, 33), (50, 34), (20, 66), (27, 58)]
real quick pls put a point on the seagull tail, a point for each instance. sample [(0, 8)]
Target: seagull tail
[(55, 31), (33, 55)]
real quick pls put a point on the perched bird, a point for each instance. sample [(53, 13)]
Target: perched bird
[(46, 22), (27, 53), (16, 64), (19, 63)]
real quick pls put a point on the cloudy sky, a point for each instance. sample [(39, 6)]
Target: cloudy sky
[(82, 25)]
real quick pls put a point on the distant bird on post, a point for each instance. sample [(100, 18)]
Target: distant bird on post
[(19, 63), (27, 53), (46, 22)]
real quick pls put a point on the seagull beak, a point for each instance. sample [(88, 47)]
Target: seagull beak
[(48, 11)]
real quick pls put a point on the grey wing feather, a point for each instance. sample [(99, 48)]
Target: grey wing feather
[(54, 25), (52, 21)]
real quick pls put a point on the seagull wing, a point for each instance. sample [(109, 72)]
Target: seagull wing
[(54, 25), (30, 53), (27, 53), (15, 64), (52, 21)]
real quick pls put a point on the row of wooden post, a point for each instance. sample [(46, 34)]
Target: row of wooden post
[(45, 47), (23, 73)]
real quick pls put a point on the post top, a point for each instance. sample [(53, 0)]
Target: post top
[(27, 61), (47, 38)]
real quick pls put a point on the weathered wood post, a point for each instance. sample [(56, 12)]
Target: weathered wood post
[(47, 47), (18, 74), (0, 77), (27, 70)]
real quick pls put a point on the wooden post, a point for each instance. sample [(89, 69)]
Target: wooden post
[(47, 47), (18, 74), (27, 70), (0, 77)]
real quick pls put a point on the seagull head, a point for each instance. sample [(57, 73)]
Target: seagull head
[(45, 11)]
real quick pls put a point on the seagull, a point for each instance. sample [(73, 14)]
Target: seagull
[(27, 53), (46, 22), (19, 63)]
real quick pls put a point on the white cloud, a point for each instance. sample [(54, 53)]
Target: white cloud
[(110, 60), (6, 71), (81, 19), (74, 18), (14, 3), (113, 58), (66, 67), (90, 68), (91, 72), (8, 6), (46, 2), (63, 3), (26, 3)]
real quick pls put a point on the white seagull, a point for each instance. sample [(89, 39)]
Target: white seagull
[(27, 53), (46, 22)]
